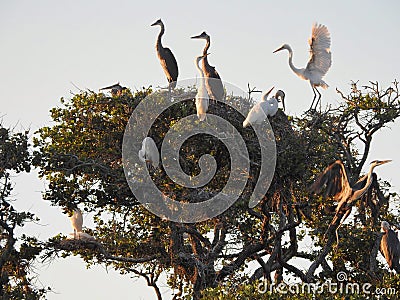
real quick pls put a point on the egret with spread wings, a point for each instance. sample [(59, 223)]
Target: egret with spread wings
[(319, 63)]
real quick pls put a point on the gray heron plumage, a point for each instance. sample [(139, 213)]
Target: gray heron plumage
[(390, 247), (167, 58), (116, 89), (214, 84), (334, 180)]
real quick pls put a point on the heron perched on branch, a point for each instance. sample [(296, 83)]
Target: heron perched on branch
[(390, 247), (319, 63), (214, 85), (266, 107), (76, 221), (149, 153), (202, 99), (337, 185), (167, 59), (116, 89)]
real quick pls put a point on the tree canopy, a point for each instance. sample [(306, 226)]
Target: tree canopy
[(80, 156)]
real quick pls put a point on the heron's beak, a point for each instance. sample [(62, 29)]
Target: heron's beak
[(196, 37), (279, 49), (155, 23), (270, 91), (385, 161)]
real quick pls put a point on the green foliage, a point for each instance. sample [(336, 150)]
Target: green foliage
[(80, 156), (15, 259)]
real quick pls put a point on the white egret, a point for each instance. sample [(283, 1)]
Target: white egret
[(202, 99), (266, 107), (76, 221), (320, 60), (390, 247), (149, 153)]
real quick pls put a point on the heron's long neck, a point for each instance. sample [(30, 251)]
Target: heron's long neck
[(205, 60), (158, 44), (299, 72)]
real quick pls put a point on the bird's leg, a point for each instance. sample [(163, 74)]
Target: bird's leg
[(169, 92), (74, 233), (315, 96), (337, 229), (318, 100)]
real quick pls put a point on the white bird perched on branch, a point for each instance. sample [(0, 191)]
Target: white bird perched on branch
[(76, 221), (320, 60), (149, 153), (266, 107), (202, 99)]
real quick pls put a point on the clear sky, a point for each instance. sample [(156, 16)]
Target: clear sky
[(45, 46)]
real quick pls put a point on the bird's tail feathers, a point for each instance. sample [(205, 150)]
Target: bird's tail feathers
[(324, 85)]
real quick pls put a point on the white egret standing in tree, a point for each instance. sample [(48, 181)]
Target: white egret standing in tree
[(149, 153), (320, 60), (76, 221), (266, 107), (202, 99), (390, 247)]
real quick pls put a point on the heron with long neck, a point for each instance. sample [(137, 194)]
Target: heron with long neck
[(390, 247), (213, 82), (337, 185), (167, 58)]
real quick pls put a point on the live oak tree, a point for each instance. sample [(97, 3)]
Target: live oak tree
[(80, 157), (17, 253)]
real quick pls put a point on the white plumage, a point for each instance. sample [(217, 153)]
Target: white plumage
[(76, 220), (202, 99), (266, 107), (320, 59), (149, 153)]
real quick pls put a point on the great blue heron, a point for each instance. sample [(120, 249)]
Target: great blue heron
[(266, 107), (116, 89), (202, 99), (167, 59), (214, 85), (149, 153), (337, 185), (390, 247), (76, 221), (320, 60)]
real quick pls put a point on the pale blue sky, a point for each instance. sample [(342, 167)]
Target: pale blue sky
[(46, 45)]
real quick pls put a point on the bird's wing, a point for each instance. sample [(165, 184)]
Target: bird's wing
[(169, 64), (320, 54), (333, 178), (390, 247), (152, 151), (111, 87)]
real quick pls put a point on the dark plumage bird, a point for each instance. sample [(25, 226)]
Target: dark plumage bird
[(337, 185), (167, 59), (214, 85), (116, 89), (390, 247)]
